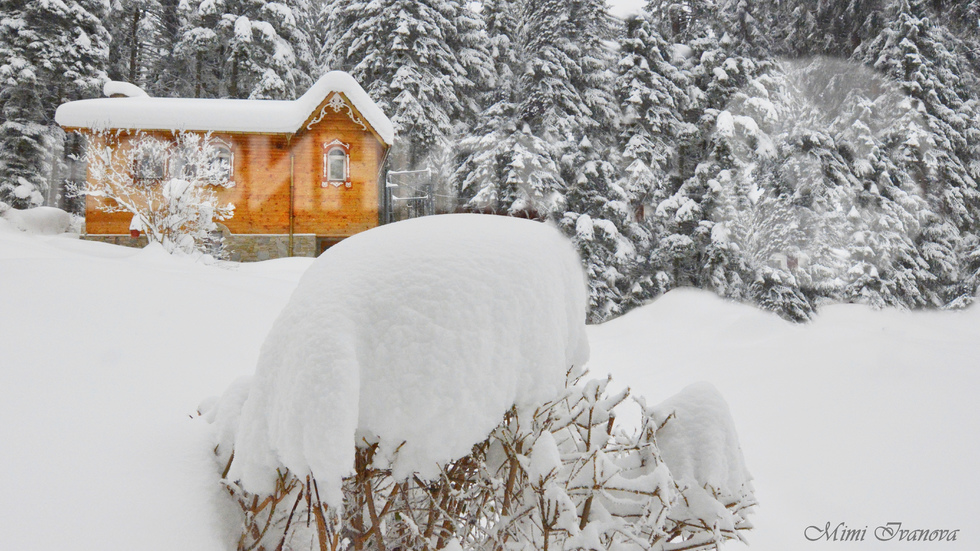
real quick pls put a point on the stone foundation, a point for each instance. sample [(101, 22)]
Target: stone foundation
[(253, 247), (117, 239), (242, 248)]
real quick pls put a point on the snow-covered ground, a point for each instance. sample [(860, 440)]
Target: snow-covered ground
[(861, 417)]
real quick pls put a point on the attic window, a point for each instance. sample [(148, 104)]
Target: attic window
[(336, 164)]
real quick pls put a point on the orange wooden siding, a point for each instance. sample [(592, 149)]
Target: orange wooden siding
[(262, 172)]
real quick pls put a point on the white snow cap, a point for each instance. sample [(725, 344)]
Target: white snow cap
[(221, 115), (115, 87), (700, 444), (419, 335)]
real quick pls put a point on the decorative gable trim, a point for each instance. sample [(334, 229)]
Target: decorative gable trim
[(337, 103)]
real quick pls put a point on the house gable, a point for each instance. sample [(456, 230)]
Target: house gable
[(337, 103)]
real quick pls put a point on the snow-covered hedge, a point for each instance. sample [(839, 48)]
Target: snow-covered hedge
[(420, 334), (422, 389)]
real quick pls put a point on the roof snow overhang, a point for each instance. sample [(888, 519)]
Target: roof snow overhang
[(226, 115)]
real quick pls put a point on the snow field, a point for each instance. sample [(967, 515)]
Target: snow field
[(860, 417), (106, 353), (863, 417)]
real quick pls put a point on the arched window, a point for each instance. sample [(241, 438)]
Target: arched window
[(336, 164), (224, 161)]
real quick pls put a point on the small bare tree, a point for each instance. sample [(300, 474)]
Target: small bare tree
[(167, 185)]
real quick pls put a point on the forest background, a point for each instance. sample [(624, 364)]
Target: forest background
[(788, 153)]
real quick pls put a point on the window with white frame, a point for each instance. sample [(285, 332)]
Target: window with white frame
[(224, 161), (336, 164)]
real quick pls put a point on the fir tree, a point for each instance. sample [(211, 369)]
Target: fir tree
[(649, 92), (246, 48), (934, 153), (50, 52), (422, 62), (600, 221), (136, 29)]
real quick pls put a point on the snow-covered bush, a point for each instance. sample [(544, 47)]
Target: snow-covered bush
[(168, 186), (38, 220), (422, 390)]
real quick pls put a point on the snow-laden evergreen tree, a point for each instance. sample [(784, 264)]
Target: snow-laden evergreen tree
[(136, 28), (561, 94), (650, 96), (690, 250), (822, 27), (50, 52), (170, 76), (601, 222), (936, 151), (508, 169), (423, 62), (750, 21), (144, 38), (564, 87), (501, 19), (246, 48), (683, 20)]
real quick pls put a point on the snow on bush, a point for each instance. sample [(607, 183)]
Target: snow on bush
[(38, 220), (422, 390), (421, 334)]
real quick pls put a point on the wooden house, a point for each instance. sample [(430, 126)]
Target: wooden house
[(305, 172)]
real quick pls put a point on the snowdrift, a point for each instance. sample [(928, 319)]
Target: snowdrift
[(36, 221), (421, 334)]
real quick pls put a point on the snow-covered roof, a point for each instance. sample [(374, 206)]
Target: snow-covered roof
[(223, 115)]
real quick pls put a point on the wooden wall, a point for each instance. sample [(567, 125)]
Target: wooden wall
[(263, 171)]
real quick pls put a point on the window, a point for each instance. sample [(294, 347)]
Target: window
[(151, 160), (336, 164), (224, 162)]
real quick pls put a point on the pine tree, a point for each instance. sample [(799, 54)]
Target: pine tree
[(692, 252), (50, 52), (650, 95), (136, 29), (683, 20), (246, 48), (502, 26), (936, 149), (422, 62), (600, 221), (561, 95), (750, 22)]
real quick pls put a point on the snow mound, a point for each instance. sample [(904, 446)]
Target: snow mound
[(38, 220), (699, 443), (119, 88), (419, 335)]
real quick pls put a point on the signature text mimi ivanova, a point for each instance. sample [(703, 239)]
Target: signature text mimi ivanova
[(892, 531)]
